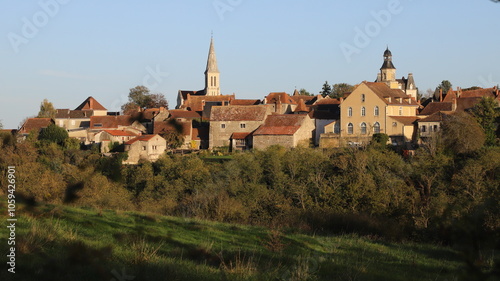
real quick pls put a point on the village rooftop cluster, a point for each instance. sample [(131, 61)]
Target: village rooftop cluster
[(207, 119)]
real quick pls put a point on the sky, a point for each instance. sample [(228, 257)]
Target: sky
[(68, 50)]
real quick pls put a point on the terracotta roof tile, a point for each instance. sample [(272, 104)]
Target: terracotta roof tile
[(35, 124), (240, 136), (245, 102), (90, 104), (396, 96), (238, 113), (281, 124), (179, 113), (140, 138), (309, 100), (196, 103), (167, 126), (120, 133), (279, 97), (406, 120), (97, 122), (434, 107), (436, 116), (301, 107), (67, 113)]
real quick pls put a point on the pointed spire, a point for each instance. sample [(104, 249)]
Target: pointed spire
[(387, 60), (212, 59)]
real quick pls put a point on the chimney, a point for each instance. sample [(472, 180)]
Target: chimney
[(459, 92), (454, 104), (440, 95)]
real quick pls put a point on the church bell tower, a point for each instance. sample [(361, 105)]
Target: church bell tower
[(212, 74)]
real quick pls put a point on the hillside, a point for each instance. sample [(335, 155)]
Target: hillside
[(57, 242)]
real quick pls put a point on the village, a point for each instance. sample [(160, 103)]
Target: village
[(207, 119)]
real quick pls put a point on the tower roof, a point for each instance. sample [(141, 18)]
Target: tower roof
[(90, 104), (387, 60), (212, 59)]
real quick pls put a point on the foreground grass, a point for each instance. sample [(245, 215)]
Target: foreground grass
[(65, 243)]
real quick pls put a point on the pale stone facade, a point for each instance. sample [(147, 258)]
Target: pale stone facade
[(146, 147), (288, 130), (226, 120)]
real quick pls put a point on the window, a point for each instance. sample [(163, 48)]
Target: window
[(363, 111), (242, 125), (143, 147), (61, 123), (362, 97), (73, 122), (154, 147), (376, 128), (400, 110), (336, 128), (350, 129), (423, 129), (241, 142), (222, 126), (436, 128), (376, 111), (349, 111), (98, 125), (363, 128), (215, 81), (394, 124)]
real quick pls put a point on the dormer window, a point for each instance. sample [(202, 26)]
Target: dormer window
[(363, 97)]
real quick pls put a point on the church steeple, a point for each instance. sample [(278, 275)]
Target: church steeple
[(212, 73)]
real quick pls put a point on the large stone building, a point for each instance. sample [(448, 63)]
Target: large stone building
[(373, 107)]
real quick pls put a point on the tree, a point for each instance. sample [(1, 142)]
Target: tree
[(486, 115), (53, 133), (445, 86), (340, 89), (47, 110), (140, 97), (457, 130), (326, 90), (303, 92)]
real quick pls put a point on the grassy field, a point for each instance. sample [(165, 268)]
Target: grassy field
[(65, 243)]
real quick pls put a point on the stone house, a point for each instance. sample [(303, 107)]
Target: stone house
[(288, 130), (227, 120), (107, 138), (145, 147)]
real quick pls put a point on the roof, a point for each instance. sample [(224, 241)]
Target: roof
[(111, 121), (327, 100), (90, 104), (245, 102), (196, 103), (120, 133), (279, 97), (240, 136), (301, 107), (307, 99), (281, 124), (35, 124), (405, 120), (169, 126), (436, 116), (141, 138), (397, 96), (185, 93), (179, 113), (434, 107), (238, 113), (67, 113)]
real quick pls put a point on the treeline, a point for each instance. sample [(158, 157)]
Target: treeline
[(372, 191)]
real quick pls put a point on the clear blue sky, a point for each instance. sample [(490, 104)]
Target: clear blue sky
[(75, 49)]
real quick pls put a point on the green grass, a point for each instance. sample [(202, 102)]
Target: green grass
[(66, 243)]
